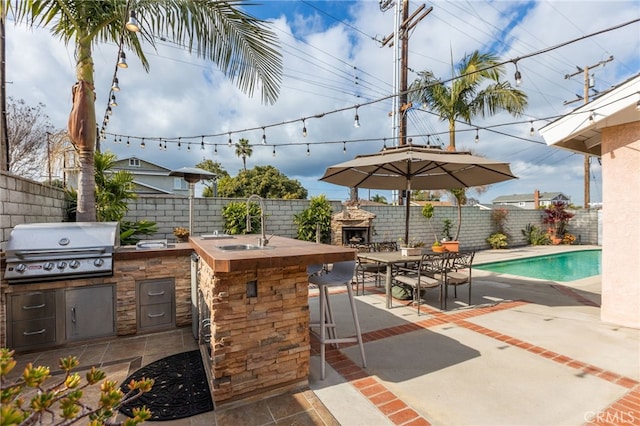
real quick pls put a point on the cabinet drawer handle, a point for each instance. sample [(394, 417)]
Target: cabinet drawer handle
[(31, 333), (26, 308), (156, 294), (161, 314)]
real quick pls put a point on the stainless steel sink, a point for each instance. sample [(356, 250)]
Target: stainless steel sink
[(242, 247)]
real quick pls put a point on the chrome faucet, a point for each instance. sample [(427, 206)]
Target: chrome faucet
[(263, 240)]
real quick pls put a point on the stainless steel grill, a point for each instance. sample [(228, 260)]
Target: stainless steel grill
[(54, 251)]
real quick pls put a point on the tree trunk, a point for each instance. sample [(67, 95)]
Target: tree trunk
[(82, 130), (452, 135)]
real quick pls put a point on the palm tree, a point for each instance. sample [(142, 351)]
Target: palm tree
[(241, 45), (466, 97), (244, 150)]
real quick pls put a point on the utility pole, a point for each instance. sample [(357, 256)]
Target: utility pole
[(401, 34), (588, 84)]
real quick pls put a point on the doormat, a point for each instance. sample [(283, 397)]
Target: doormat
[(180, 389)]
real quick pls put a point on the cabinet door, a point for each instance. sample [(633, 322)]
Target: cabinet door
[(89, 312)]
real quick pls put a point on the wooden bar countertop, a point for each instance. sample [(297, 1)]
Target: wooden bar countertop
[(280, 252)]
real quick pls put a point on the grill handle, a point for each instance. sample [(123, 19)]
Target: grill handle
[(23, 253), (73, 314)]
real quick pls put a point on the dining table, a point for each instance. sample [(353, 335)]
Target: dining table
[(389, 258)]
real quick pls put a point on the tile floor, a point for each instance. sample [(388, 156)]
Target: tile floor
[(119, 357)]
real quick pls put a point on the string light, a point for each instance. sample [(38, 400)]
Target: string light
[(384, 144), (264, 137), (160, 143), (179, 143), (165, 145), (532, 131), (142, 144), (592, 116), (133, 24), (308, 152), (120, 140), (344, 147), (274, 151), (115, 141), (128, 143), (109, 110), (356, 121), (122, 62), (215, 149), (113, 101), (202, 143), (230, 141), (304, 128), (189, 147), (517, 76), (115, 86), (477, 136)]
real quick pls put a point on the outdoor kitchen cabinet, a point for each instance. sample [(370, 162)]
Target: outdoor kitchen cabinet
[(33, 319), (89, 312), (156, 303)]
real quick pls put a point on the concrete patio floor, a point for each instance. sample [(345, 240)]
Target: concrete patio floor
[(526, 352)]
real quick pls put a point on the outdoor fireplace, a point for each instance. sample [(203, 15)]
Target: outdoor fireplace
[(351, 226)]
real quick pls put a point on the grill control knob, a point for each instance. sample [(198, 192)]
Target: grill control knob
[(74, 264), (48, 266), (98, 262), (21, 267), (62, 265)]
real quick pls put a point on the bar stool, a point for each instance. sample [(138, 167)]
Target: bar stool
[(340, 274)]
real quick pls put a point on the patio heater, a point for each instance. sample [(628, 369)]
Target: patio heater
[(192, 175)]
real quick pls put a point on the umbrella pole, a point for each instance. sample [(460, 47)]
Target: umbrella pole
[(406, 217)]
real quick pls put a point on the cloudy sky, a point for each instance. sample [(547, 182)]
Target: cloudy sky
[(333, 61)]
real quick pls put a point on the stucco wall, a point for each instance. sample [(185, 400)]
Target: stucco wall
[(621, 233)]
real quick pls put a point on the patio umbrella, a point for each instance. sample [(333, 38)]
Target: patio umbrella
[(410, 167)]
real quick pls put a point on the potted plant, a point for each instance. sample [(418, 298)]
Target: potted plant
[(182, 234), (427, 212), (447, 242), (557, 218), (412, 248)]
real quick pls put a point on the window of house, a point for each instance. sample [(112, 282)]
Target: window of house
[(134, 162), (179, 183), (521, 204)]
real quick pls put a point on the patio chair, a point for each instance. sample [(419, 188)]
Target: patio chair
[(340, 274), (429, 273), (366, 268), (458, 272)]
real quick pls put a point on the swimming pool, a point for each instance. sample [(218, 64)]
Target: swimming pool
[(568, 266)]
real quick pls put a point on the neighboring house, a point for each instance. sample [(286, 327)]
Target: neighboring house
[(493, 206), (609, 128), (150, 178), (532, 201)]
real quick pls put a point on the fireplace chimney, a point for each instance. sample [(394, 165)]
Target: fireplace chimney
[(536, 199)]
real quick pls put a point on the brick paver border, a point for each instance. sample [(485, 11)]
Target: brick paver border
[(625, 410)]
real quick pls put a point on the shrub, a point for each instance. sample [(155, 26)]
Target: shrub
[(498, 241), (535, 236), (64, 398), (318, 214), (235, 217)]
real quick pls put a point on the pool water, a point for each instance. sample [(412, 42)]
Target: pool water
[(569, 266)]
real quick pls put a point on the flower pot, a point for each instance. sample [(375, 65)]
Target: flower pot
[(411, 251), (438, 249), (453, 246)]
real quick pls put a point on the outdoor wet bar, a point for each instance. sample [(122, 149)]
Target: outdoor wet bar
[(253, 312)]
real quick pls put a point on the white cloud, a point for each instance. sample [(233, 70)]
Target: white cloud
[(336, 67)]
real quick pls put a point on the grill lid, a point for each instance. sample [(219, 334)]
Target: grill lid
[(45, 238)]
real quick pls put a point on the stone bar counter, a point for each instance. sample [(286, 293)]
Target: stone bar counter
[(254, 313)]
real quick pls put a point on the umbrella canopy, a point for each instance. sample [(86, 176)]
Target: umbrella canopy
[(417, 167)]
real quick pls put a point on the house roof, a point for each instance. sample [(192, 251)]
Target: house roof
[(515, 198), (493, 206), (580, 130), (145, 166)]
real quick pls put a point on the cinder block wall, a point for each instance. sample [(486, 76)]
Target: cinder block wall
[(26, 201)]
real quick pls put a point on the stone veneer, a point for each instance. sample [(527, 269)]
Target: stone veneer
[(129, 267), (350, 217), (258, 343)]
